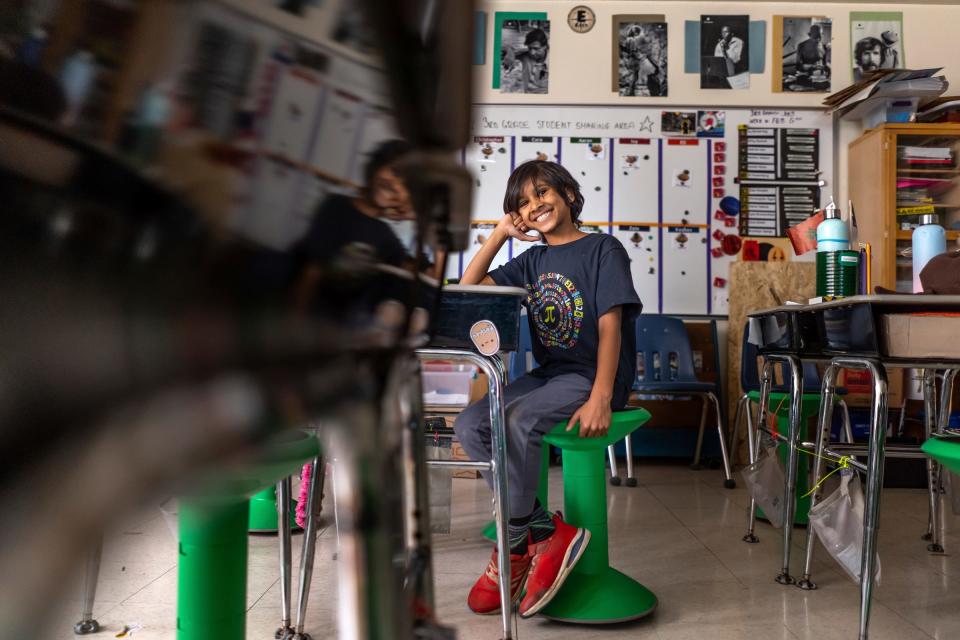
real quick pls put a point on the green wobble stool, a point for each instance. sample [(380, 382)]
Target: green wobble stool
[(595, 592), (263, 512), (779, 404), (212, 562)]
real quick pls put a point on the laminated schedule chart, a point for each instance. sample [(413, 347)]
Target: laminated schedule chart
[(779, 178)]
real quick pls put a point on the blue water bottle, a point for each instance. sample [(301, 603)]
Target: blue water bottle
[(832, 233), (929, 240)]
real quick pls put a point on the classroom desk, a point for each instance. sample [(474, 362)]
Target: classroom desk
[(847, 333)]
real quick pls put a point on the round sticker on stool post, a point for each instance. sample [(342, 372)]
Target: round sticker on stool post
[(485, 337)]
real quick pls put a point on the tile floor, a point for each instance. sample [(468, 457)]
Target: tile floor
[(678, 532)]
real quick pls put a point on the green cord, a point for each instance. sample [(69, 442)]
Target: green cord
[(844, 463)]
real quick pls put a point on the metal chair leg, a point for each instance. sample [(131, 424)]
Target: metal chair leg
[(314, 500), (92, 572), (728, 481), (628, 444), (825, 420), (744, 401), (696, 466), (614, 476), (753, 445), (933, 467), (284, 491)]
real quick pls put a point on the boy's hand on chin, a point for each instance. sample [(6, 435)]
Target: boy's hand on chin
[(514, 226), (594, 417)]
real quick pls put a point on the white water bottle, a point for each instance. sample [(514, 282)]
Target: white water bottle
[(929, 240)]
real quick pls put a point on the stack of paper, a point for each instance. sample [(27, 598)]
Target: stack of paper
[(859, 99)]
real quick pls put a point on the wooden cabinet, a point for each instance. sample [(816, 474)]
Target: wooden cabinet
[(896, 173)]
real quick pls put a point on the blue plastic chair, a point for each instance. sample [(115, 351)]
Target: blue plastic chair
[(668, 371), (519, 367)]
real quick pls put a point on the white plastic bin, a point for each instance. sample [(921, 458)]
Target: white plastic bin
[(448, 388)]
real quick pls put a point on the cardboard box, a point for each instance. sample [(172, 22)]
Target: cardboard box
[(921, 336), (859, 386)]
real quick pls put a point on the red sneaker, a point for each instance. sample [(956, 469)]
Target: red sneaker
[(484, 597), (553, 560)]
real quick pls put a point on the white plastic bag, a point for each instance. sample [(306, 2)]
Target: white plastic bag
[(765, 482), (838, 522)]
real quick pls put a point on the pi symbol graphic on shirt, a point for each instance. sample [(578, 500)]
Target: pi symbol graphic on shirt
[(549, 318)]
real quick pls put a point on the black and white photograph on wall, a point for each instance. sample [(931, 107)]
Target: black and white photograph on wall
[(875, 38), (642, 58), (805, 54), (352, 30), (524, 55), (724, 52)]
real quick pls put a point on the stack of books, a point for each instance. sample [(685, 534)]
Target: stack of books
[(923, 174)]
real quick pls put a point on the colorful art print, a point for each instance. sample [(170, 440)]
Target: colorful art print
[(678, 123), (875, 40), (804, 63), (711, 124), (641, 58)]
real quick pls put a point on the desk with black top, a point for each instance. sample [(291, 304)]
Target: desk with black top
[(861, 332)]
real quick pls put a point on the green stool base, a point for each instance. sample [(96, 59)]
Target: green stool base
[(263, 512), (595, 593), (604, 598), (945, 450), (212, 564), (809, 407)]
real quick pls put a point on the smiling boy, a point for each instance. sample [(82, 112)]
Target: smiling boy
[(581, 306)]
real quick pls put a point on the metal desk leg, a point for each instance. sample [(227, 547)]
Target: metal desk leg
[(875, 457), (91, 573), (934, 534), (496, 375), (498, 423), (823, 436), (753, 441), (790, 486), (284, 491), (314, 499)]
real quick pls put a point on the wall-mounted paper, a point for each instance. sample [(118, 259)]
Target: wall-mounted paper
[(498, 19), (803, 63), (639, 55), (691, 46), (876, 41)]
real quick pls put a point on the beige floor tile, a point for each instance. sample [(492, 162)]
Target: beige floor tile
[(679, 533)]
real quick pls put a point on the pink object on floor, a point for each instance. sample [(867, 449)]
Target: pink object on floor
[(302, 499)]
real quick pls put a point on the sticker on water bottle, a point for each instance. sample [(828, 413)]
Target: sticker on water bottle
[(849, 259), (485, 337)]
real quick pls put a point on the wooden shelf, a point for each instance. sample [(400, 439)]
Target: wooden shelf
[(907, 235), (952, 170)]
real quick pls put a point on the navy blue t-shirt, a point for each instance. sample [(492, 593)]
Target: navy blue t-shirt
[(569, 286)]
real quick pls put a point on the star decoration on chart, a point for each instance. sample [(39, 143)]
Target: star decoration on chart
[(647, 124)]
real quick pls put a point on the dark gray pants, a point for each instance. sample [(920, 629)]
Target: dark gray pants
[(532, 406)]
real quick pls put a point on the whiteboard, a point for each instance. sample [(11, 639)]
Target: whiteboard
[(630, 175)]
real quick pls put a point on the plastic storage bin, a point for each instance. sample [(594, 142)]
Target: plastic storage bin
[(448, 388)]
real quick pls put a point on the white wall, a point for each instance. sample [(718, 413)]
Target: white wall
[(580, 63)]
